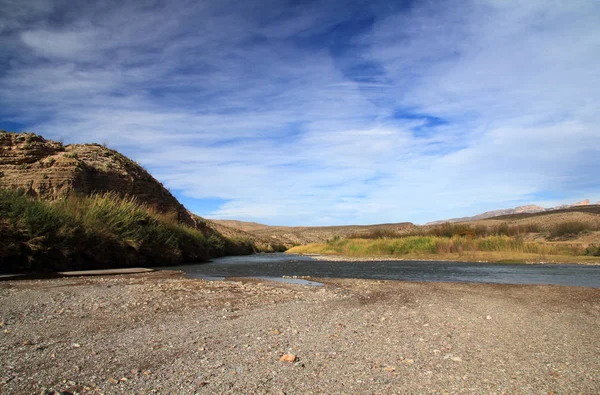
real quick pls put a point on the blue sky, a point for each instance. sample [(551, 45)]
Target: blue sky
[(317, 112)]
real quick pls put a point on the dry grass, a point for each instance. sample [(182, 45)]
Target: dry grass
[(491, 249)]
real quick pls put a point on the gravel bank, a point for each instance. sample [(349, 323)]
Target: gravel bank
[(160, 333)]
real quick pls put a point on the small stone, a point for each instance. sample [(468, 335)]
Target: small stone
[(28, 343), (76, 345), (147, 372), (113, 381), (456, 359), (288, 358), (276, 332), (489, 317), (409, 361), (123, 379)]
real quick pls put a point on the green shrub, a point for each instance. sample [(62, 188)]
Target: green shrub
[(375, 234), (570, 228), (450, 230), (99, 231), (417, 244), (593, 250)]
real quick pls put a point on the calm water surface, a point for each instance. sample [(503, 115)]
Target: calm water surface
[(276, 266)]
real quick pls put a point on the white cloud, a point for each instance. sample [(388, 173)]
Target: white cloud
[(246, 105), (64, 44)]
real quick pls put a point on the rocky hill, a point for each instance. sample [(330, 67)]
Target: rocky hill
[(49, 170)]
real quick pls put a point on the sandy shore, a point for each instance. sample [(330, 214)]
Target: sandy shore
[(160, 333)]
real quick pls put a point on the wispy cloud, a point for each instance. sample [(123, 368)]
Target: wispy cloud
[(311, 113)]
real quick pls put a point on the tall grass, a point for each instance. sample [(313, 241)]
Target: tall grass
[(449, 230), (436, 245), (102, 230), (503, 229), (375, 234)]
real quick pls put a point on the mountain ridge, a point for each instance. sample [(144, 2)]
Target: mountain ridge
[(531, 208)]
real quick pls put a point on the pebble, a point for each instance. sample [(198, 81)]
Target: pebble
[(288, 358)]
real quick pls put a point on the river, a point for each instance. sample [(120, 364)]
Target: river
[(280, 267)]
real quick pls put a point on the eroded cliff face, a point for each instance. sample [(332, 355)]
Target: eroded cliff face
[(50, 170)]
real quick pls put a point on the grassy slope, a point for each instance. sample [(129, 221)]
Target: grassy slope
[(99, 231), (485, 248)]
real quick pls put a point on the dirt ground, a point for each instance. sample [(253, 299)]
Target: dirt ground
[(161, 333)]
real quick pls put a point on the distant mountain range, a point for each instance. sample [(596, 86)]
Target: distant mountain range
[(507, 211)]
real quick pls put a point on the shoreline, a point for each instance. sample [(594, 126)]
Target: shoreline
[(384, 258), (162, 332)]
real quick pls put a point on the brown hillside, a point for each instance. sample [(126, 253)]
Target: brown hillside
[(523, 212), (262, 244), (241, 225), (492, 214), (576, 208), (300, 235), (545, 222)]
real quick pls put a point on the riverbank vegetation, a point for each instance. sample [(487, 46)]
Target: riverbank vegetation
[(565, 230), (514, 243), (99, 231)]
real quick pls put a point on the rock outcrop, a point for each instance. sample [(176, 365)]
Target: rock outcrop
[(50, 170)]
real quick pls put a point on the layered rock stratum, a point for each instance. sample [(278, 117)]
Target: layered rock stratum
[(49, 170)]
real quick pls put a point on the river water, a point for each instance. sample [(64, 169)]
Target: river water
[(279, 266)]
